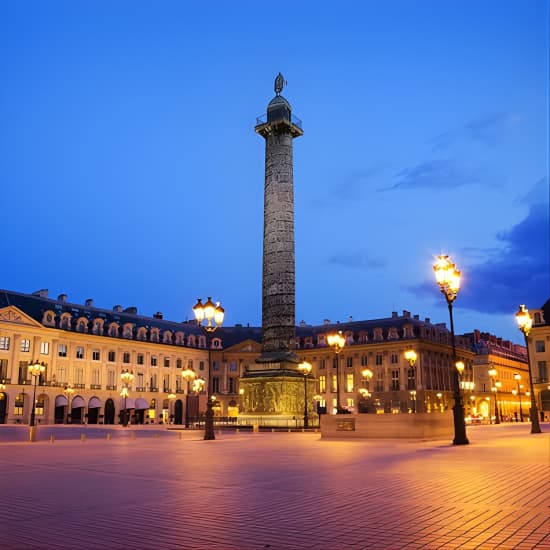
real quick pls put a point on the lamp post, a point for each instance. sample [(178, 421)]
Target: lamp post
[(214, 315), (447, 277), (188, 375), (517, 378), (337, 342), (36, 368), (367, 374), (411, 357), (126, 376), (525, 322), (305, 369), (494, 388), (68, 392)]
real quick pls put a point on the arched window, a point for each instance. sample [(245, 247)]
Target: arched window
[(113, 329), (142, 334), (202, 341), (216, 343), (65, 321), (48, 318), (167, 337), (154, 335), (128, 331), (191, 341)]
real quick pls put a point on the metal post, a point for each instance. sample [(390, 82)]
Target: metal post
[(338, 406), (533, 411), (306, 420), (497, 416), (33, 409), (209, 422), (520, 408), (187, 405), (458, 407)]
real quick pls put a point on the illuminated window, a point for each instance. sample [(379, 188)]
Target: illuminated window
[(334, 380), (39, 407), (62, 350), (44, 348), (4, 342), (380, 381), (80, 352), (19, 404), (350, 402), (349, 382), (411, 378), (25, 345), (322, 383), (395, 380)]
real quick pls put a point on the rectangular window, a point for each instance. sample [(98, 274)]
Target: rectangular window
[(349, 361), (335, 360), (349, 382), (201, 365), (19, 404), (322, 364), (334, 383), (232, 385), (4, 342), (539, 346), (44, 348), (153, 360), (96, 355), (111, 378), (411, 379), (111, 357), (25, 345), (79, 376), (350, 402), (39, 407), (126, 357), (380, 381), (153, 382), (23, 374), (543, 372), (95, 377), (167, 361), (62, 375), (80, 352), (394, 358), (178, 363), (378, 358), (364, 361), (140, 358), (216, 384), (140, 380), (233, 366), (166, 383), (3, 369), (395, 380), (215, 366), (322, 383), (62, 350)]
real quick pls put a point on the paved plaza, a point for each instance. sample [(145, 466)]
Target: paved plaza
[(159, 489)]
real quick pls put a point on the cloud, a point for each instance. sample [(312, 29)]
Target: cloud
[(433, 174), (519, 273), (356, 182), (355, 260), (487, 130)]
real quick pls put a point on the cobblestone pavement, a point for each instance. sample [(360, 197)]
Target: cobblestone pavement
[(144, 489)]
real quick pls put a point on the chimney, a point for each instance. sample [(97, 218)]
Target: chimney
[(406, 314), (131, 309), (427, 320), (416, 317), (62, 297), (326, 321), (350, 320), (158, 315), (302, 323), (117, 308), (42, 293), (89, 302), (394, 314)]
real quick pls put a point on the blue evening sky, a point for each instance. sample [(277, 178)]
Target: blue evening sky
[(131, 173)]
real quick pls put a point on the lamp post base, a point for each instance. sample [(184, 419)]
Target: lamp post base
[(459, 426), (209, 422), (535, 426), (32, 434)]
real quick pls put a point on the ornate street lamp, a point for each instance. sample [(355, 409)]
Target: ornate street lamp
[(214, 315), (36, 368), (126, 376), (493, 374), (337, 342), (447, 277), (68, 392), (517, 378), (525, 322), (188, 375), (305, 369)]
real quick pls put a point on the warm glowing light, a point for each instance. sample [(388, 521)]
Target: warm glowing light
[(492, 373), (364, 392), (212, 312), (413, 393), (188, 374), (447, 277), (336, 341), (517, 376), (410, 356), (367, 373), (126, 376), (68, 391), (514, 392), (241, 391), (198, 310), (524, 320), (171, 396), (318, 397), (198, 384), (498, 384), (124, 392), (36, 368), (439, 395), (305, 368), (460, 367)]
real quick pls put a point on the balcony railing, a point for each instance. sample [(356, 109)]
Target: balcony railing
[(262, 119)]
